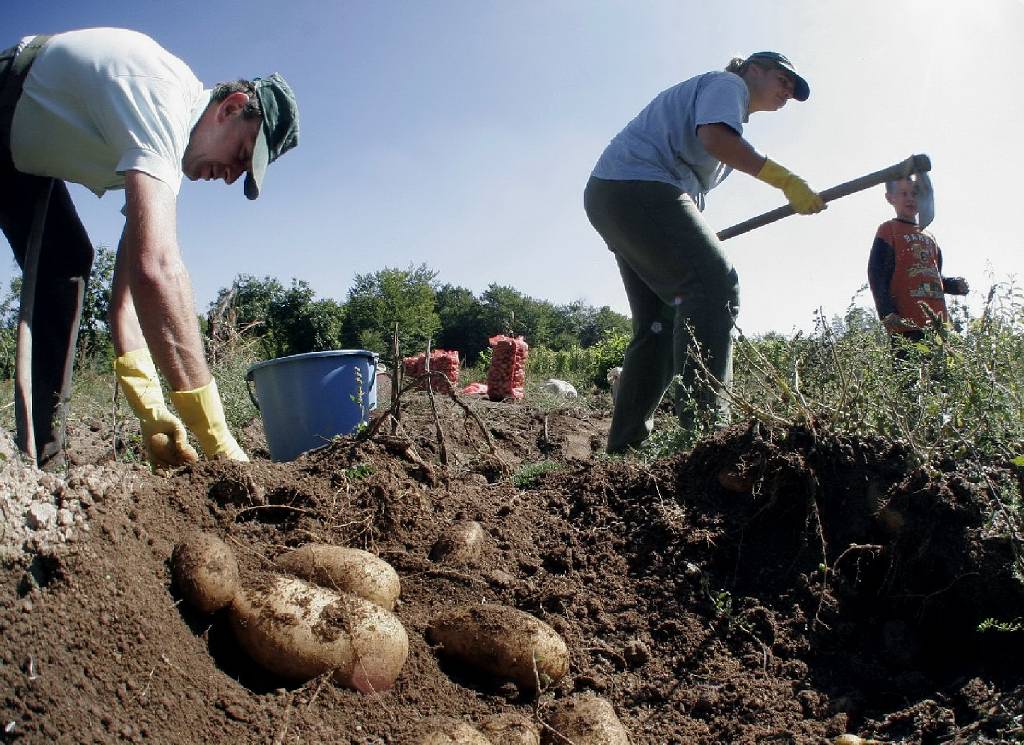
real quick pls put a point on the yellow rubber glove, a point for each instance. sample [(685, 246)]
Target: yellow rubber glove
[(799, 194), (203, 414), (163, 434)]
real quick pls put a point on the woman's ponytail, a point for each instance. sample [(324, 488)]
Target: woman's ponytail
[(736, 65)]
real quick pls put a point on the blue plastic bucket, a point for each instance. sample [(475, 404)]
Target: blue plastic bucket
[(306, 399)]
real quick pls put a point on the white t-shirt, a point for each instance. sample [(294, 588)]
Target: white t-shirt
[(661, 143), (102, 101)]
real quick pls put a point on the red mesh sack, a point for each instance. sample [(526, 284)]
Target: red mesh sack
[(507, 374), (442, 361)]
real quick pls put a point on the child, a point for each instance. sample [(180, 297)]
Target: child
[(905, 268)]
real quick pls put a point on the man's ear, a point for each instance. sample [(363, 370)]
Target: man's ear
[(232, 105)]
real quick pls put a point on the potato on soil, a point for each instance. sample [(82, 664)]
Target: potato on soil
[(584, 720), (461, 543), (298, 631), (450, 732), (853, 740), (167, 453), (500, 640), (344, 569), (509, 729), (205, 571)]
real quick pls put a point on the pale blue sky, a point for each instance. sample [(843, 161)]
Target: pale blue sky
[(460, 133)]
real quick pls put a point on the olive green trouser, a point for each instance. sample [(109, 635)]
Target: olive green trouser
[(677, 279)]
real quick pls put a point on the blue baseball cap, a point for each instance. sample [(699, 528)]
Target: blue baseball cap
[(800, 88)]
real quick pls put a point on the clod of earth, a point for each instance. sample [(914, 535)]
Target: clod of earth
[(451, 732), (584, 720), (462, 543), (509, 729)]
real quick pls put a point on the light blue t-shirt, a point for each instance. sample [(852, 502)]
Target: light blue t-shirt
[(661, 144)]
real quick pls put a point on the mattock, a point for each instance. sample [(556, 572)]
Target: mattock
[(919, 164)]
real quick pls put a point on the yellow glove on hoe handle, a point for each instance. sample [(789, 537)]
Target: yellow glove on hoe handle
[(203, 414), (799, 194), (163, 434)]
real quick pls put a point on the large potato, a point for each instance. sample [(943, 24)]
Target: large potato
[(298, 631), (205, 571), (502, 641), (509, 729), (450, 732), (461, 543), (345, 569), (584, 720)]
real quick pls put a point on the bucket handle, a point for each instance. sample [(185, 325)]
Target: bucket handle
[(373, 381), (248, 387)]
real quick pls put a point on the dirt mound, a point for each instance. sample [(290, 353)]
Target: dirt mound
[(769, 586)]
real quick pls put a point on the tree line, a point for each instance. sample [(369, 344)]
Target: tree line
[(290, 319)]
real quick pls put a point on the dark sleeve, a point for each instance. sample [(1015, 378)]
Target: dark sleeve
[(938, 263), (881, 265)]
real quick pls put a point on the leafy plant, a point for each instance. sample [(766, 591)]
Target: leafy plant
[(358, 472), (952, 394), (1007, 627), (529, 474), (583, 367)]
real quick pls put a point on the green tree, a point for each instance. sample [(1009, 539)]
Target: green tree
[(94, 331), (286, 321), (244, 306), (602, 323), (463, 326), (582, 325), (379, 301), (508, 311), (298, 323), (9, 327)]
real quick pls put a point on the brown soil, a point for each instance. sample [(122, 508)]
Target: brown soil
[(768, 587)]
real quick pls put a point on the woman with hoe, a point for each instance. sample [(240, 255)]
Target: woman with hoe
[(645, 196)]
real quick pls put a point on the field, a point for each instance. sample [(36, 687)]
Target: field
[(778, 583)]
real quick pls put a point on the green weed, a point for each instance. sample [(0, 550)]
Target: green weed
[(1007, 627), (358, 472), (529, 474)]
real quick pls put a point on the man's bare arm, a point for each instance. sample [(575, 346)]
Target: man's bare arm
[(152, 292), (124, 324)]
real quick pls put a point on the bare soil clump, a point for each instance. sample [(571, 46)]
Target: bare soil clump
[(772, 585)]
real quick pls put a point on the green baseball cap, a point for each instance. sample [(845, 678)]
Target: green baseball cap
[(280, 130)]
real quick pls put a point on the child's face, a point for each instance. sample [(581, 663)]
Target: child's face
[(904, 199)]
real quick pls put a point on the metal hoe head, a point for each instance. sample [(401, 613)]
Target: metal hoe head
[(925, 199)]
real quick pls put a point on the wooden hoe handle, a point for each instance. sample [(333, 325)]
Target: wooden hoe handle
[(913, 164)]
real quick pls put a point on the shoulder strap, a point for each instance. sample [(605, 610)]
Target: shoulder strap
[(13, 80)]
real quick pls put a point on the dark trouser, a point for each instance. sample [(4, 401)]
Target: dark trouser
[(676, 279), (64, 263)]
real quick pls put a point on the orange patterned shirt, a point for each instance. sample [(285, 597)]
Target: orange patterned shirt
[(916, 276)]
